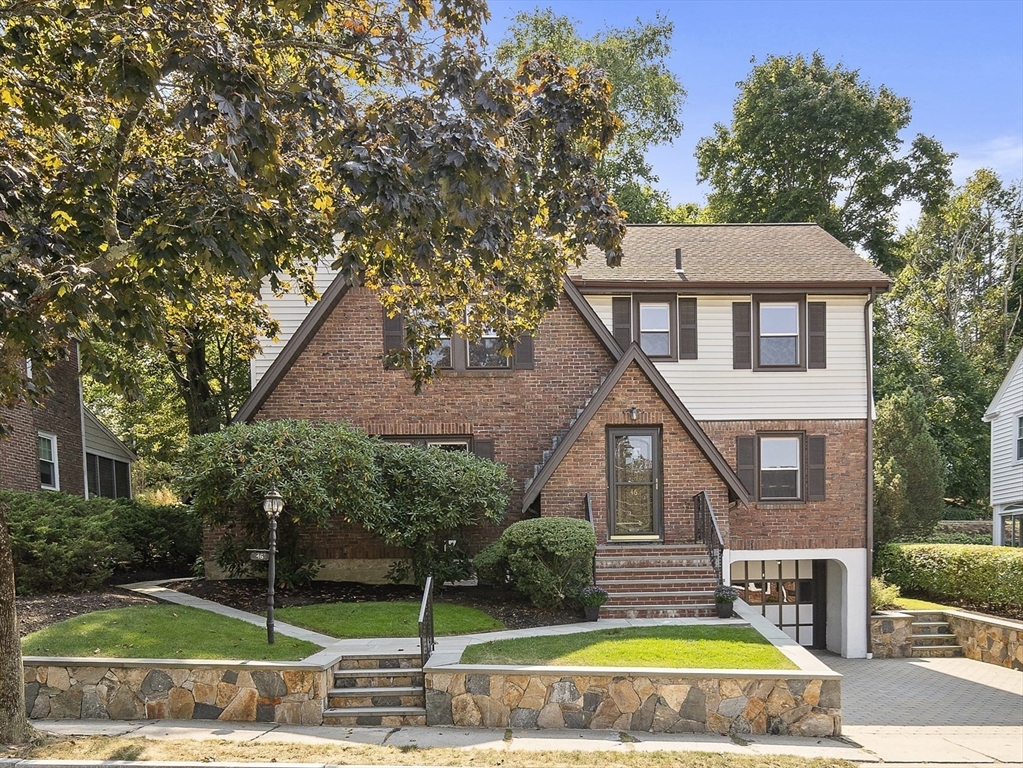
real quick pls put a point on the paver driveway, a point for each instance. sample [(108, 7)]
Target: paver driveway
[(932, 710)]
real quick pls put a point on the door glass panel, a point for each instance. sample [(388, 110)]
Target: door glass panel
[(634, 484)]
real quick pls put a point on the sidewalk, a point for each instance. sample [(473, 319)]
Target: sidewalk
[(904, 746)]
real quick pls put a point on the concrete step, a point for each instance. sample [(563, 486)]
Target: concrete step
[(932, 628), (370, 716), (381, 660), (659, 611), (394, 690), (377, 677), (932, 640)]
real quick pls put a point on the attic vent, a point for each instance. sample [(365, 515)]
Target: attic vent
[(678, 263)]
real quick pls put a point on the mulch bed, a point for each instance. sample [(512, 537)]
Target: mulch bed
[(35, 613), (250, 595)]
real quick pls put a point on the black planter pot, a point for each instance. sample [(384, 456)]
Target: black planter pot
[(724, 610), (591, 611)]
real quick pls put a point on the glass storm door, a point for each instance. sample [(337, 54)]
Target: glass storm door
[(634, 463)]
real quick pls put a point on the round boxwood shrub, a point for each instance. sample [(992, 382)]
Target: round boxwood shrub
[(974, 575), (548, 559)]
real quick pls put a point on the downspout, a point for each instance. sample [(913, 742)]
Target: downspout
[(868, 337)]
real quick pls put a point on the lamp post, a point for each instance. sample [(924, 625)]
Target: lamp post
[(273, 503)]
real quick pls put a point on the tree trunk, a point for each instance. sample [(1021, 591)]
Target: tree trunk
[(191, 375), (14, 726)]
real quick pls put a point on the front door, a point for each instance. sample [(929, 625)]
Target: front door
[(634, 483)]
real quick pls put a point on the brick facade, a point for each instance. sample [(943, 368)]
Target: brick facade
[(835, 523), (341, 376), (686, 470), (60, 414)]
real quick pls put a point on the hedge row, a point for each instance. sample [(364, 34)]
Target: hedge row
[(962, 573), (67, 543)]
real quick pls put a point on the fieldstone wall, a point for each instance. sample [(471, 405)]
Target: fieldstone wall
[(995, 641), (137, 692), (669, 704), (891, 635)]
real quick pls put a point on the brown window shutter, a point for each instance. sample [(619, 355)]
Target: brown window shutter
[(815, 470), (817, 344), (523, 359), (394, 337), (688, 341), (742, 337), (621, 321), (746, 461), (484, 449)]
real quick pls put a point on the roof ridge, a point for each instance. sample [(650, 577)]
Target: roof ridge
[(729, 224)]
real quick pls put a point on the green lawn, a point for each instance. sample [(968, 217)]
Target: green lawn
[(396, 619), (162, 632), (683, 647), (912, 604)]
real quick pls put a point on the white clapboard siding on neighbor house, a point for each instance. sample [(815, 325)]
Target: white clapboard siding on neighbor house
[(713, 391), (1007, 407), (289, 310)]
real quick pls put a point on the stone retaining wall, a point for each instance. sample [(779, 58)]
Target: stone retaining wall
[(115, 689), (985, 638), (890, 635), (661, 702)]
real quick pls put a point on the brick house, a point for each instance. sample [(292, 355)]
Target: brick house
[(60, 445), (713, 391)]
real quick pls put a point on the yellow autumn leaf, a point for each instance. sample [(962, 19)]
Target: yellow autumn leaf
[(266, 205), (10, 98), (146, 10)]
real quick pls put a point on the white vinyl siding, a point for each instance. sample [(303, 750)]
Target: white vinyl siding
[(100, 441), (713, 391), (289, 310), (1006, 469)]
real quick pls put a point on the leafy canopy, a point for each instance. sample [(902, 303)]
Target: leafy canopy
[(809, 142), (150, 152), (645, 94)]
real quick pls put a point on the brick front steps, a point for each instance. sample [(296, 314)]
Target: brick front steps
[(669, 581), (376, 690)]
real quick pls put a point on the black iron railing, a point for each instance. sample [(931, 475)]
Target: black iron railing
[(427, 639), (707, 531), (589, 519)]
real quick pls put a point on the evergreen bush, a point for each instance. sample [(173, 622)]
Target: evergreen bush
[(975, 575), (549, 559)]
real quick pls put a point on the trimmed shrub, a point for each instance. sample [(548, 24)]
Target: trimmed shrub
[(882, 596), (491, 565), (62, 542), (548, 559), (161, 537), (981, 576)]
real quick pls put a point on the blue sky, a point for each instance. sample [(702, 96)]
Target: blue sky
[(960, 64)]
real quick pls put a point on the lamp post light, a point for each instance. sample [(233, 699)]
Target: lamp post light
[(273, 503)]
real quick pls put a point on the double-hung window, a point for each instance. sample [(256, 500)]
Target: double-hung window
[(486, 353), (655, 328), (1019, 438), (780, 470), (778, 342), (49, 474)]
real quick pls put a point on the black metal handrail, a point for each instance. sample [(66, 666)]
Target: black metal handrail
[(707, 532), (589, 519), (427, 639)]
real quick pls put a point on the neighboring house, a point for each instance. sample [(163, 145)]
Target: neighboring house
[(723, 371), (1006, 417), (61, 446)]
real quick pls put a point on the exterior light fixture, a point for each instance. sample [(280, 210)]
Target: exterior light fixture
[(273, 505), (633, 413)]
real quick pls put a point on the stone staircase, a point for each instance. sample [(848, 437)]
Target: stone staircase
[(382, 690), (932, 638), (660, 581)]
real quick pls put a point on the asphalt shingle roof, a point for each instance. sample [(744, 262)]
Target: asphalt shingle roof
[(731, 253)]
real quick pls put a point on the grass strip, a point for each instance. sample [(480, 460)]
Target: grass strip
[(162, 632), (350, 753), (673, 646), (912, 604), (393, 619)]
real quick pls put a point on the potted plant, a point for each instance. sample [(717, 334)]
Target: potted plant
[(592, 598), (724, 596)]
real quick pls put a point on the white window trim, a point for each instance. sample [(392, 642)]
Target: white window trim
[(1018, 442), (762, 334), (56, 463)]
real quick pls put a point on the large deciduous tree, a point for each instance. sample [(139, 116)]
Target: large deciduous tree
[(645, 94), (147, 150), (810, 142)]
